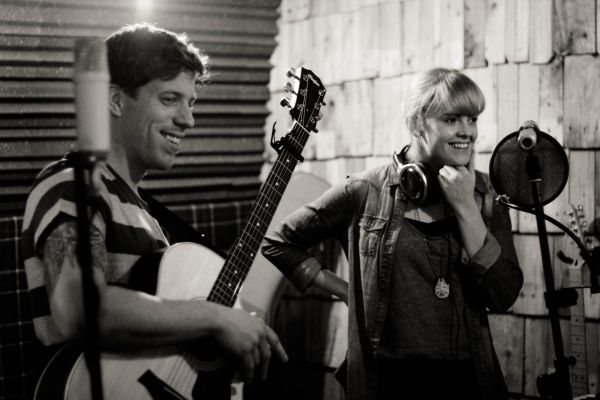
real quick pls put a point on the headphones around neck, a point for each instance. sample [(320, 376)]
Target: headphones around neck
[(418, 181)]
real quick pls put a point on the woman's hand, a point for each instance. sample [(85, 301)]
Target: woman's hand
[(458, 184)]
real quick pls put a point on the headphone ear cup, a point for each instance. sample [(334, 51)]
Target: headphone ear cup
[(419, 183), (413, 182)]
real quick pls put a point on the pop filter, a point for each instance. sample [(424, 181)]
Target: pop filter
[(508, 169)]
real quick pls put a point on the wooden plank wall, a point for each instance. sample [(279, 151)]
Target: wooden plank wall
[(534, 60), (221, 157)]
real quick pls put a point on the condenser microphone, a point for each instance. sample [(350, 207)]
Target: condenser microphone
[(91, 79), (528, 135)]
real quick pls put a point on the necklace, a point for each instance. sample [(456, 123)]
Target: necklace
[(441, 289)]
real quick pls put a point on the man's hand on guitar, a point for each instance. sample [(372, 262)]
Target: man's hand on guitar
[(250, 339)]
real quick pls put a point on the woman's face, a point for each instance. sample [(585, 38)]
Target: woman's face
[(448, 139)]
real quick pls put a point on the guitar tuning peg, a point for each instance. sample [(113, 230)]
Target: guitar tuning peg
[(291, 73), (569, 212), (289, 88), (322, 103), (319, 116), (315, 130), (285, 102)]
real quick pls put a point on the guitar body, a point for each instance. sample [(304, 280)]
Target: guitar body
[(186, 271)]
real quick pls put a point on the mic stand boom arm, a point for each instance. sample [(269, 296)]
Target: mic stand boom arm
[(589, 259)]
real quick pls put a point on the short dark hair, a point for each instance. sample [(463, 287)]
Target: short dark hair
[(140, 53)]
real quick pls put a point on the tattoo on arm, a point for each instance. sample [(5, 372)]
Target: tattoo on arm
[(60, 251)]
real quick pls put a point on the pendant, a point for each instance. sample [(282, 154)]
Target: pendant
[(442, 289)]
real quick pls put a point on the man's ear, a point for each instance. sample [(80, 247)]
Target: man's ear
[(115, 100)]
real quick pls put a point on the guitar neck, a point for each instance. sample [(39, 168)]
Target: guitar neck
[(236, 268), (579, 372)]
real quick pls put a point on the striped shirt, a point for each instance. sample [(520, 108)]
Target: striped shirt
[(129, 232)]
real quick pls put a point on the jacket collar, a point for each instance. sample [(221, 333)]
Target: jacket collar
[(392, 179)]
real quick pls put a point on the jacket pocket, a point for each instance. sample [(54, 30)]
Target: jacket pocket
[(371, 231)]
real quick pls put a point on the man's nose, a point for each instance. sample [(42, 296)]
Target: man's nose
[(185, 117)]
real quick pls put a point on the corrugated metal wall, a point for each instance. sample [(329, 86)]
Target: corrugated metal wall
[(221, 157)]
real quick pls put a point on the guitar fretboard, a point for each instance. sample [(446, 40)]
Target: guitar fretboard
[(579, 372), (236, 268)]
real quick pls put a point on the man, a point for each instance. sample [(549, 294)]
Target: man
[(153, 80)]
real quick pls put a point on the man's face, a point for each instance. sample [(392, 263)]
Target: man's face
[(155, 122)]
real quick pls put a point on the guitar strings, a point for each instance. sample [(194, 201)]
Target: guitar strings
[(180, 377)]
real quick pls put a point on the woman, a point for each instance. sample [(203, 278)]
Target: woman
[(428, 249)]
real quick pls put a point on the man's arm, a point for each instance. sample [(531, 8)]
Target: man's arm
[(130, 319)]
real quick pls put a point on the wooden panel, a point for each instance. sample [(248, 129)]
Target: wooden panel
[(429, 26), (390, 43), (508, 99), (320, 7), (495, 36), (355, 136), (536, 355), (508, 333), (452, 53), (359, 45), (581, 97), (575, 27), (551, 99), (294, 10), (541, 31), (390, 131), (531, 297), (517, 30), (475, 23), (327, 61), (411, 23), (331, 125), (487, 123), (539, 350), (529, 92)]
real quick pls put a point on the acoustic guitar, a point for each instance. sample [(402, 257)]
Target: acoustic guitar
[(192, 271)]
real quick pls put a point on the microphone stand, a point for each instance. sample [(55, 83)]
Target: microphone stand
[(84, 164), (556, 385)]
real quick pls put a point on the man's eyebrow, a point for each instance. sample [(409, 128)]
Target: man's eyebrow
[(179, 94)]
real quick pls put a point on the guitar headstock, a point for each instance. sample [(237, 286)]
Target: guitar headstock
[(306, 97), (578, 224)]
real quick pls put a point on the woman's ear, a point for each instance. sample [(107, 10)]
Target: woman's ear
[(115, 100)]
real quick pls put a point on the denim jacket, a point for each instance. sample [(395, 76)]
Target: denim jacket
[(366, 215)]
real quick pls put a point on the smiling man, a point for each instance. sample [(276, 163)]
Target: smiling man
[(154, 74)]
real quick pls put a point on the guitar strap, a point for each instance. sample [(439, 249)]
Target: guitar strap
[(178, 229)]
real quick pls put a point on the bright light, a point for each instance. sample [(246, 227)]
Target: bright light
[(143, 5)]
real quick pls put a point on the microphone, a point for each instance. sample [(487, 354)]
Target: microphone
[(91, 80), (513, 159), (528, 135)]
